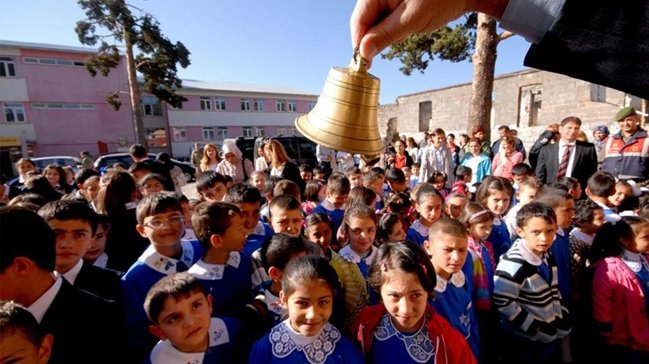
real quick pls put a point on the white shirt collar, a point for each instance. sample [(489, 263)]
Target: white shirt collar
[(563, 144), (214, 272), (164, 264), (165, 353), (350, 255), (560, 231), (530, 257), (635, 261), (72, 274), (43, 303), (582, 236), (327, 205), (101, 261), (316, 349), (259, 229), (419, 228), (457, 279)]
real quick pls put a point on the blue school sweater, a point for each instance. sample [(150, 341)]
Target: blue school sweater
[(417, 233), (149, 268), (229, 284), (223, 337), (336, 215), (453, 302), (254, 241), (499, 239), (560, 252)]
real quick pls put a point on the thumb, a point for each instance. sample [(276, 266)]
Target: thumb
[(390, 30)]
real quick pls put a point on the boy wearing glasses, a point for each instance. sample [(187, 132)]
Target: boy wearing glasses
[(159, 219)]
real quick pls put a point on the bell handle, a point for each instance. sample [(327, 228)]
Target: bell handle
[(358, 63)]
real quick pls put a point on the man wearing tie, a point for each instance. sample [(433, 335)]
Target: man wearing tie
[(567, 158)]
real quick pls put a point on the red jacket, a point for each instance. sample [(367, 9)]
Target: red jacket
[(451, 347)]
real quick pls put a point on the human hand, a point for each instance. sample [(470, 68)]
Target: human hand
[(375, 24)]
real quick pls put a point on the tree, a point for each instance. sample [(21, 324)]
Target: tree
[(476, 37), (157, 57)]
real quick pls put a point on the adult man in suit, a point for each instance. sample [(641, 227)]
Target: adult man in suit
[(86, 329), (567, 158)]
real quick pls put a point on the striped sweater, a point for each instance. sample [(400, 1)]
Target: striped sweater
[(530, 306)]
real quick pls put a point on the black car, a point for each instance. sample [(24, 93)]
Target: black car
[(107, 160), (299, 149)]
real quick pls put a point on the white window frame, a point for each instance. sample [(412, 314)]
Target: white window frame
[(292, 106), (219, 103), (151, 106), (53, 61), (245, 104), (246, 131), (205, 103), (311, 105), (260, 132), (258, 105), (280, 105), (222, 132), (7, 67), (208, 133), (17, 110), (62, 106)]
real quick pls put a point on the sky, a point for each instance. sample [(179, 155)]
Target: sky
[(290, 43)]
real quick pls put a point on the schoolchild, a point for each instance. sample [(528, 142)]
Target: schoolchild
[(314, 193), (620, 291), (479, 163), (623, 190), (211, 186), (407, 172), (527, 189), (362, 195), (390, 228), (599, 188), (75, 225), (287, 187), (338, 188), (438, 180), (405, 327), (267, 192), (306, 172), (414, 178), (355, 176), (223, 270), (572, 185), (448, 249), (495, 193), (258, 180), (306, 336), (428, 204), (526, 290), (521, 171), (454, 204), (96, 253), (160, 220), (319, 172), (589, 217), (463, 175), (23, 166), (248, 200), (188, 208), (401, 204), (21, 339), (396, 180), (374, 180), (354, 260), (319, 229), (151, 183), (179, 310)]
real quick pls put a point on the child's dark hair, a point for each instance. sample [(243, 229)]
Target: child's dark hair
[(492, 183), (318, 217), (530, 182), (287, 187), (353, 170), (475, 213), (601, 184), (532, 210), (25, 234), (448, 226), (228, 179), (385, 225), (176, 286), (427, 190), (306, 167), (15, 318), (208, 179), (630, 203), (399, 202), (31, 198), (360, 195), (137, 150), (395, 175), (435, 175), (522, 169), (312, 190), (416, 165), (83, 174), (64, 210), (153, 176), (319, 169), (278, 250), (552, 196), (406, 256), (142, 166), (360, 211), (242, 193), (374, 174), (284, 202), (463, 171), (210, 218), (608, 240), (644, 207), (338, 183), (270, 183), (307, 269), (584, 211), (157, 203), (570, 182)]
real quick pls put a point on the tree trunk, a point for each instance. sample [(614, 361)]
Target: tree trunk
[(484, 66), (134, 92)]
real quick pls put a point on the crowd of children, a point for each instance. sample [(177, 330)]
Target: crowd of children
[(370, 265)]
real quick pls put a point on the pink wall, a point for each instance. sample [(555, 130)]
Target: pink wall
[(233, 104)]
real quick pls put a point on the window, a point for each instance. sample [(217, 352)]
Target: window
[(247, 131), (156, 137), (245, 105), (311, 105), (7, 67), (53, 61), (151, 106), (222, 132), (259, 105), (280, 105), (208, 133), (530, 103), (180, 134), (219, 103), (206, 103), (62, 106), (260, 132), (292, 106), (286, 131), (14, 112)]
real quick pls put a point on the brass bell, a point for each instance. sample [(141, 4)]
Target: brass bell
[(345, 118)]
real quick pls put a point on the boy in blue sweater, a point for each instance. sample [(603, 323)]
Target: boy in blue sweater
[(248, 199), (160, 219), (338, 188)]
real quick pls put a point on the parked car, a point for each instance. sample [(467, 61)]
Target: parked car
[(61, 160), (107, 160), (299, 149)]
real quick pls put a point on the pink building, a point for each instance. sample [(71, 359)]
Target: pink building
[(52, 106)]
